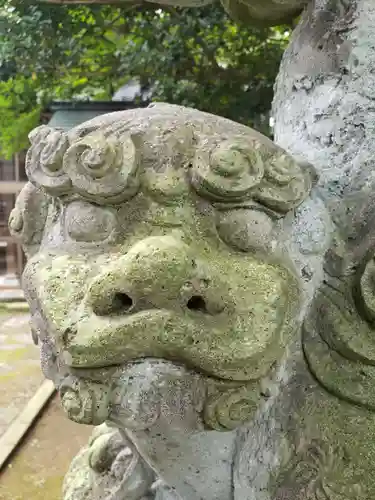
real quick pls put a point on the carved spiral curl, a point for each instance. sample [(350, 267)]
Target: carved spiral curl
[(286, 182), (85, 402), (109, 468), (109, 455), (102, 168), (321, 464), (231, 409), (238, 172), (105, 169), (229, 171), (44, 160)]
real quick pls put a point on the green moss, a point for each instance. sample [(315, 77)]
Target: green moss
[(249, 301)]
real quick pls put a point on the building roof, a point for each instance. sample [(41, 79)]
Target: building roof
[(67, 115), (68, 119)]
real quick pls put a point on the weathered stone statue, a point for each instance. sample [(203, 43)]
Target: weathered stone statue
[(173, 260), (204, 294)]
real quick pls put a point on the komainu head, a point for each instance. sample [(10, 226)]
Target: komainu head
[(159, 233)]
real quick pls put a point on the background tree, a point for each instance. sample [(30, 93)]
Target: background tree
[(195, 57)]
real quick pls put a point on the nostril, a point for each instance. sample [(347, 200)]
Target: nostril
[(197, 303), (122, 301), (119, 303)]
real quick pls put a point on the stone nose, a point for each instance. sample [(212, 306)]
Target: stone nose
[(158, 272)]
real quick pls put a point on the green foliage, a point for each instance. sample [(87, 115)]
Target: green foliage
[(16, 118), (195, 57)]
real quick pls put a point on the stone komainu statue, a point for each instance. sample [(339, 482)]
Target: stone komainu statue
[(172, 258)]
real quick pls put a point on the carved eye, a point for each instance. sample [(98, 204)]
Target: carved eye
[(87, 223), (245, 229)]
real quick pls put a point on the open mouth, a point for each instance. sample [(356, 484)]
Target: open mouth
[(133, 394), (238, 342), (106, 341)]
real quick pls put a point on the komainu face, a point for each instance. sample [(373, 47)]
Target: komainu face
[(158, 233)]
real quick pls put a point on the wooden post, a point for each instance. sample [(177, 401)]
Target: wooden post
[(17, 167)]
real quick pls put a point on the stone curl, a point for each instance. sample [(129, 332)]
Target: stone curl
[(105, 169), (97, 168), (241, 171), (231, 408), (44, 160), (102, 168), (108, 468), (85, 402)]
